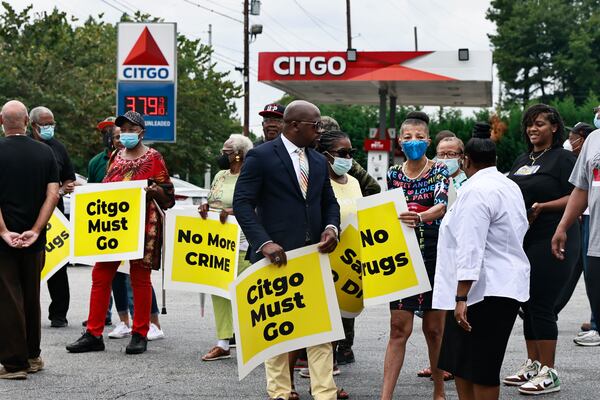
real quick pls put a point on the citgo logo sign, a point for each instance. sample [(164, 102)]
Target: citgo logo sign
[(318, 65), (146, 59)]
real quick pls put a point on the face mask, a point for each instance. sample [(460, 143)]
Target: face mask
[(567, 145), (451, 163), (341, 166), (596, 121), (414, 149), (223, 162), (129, 140), (46, 132)]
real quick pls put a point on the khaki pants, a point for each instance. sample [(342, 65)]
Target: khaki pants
[(320, 365)]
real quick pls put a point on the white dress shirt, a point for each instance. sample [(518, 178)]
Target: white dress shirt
[(292, 150), (481, 240)]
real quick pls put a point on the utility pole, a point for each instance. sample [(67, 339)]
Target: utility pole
[(348, 24), (246, 70), (210, 39), (416, 42)]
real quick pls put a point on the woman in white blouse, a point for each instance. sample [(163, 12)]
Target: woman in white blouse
[(482, 271)]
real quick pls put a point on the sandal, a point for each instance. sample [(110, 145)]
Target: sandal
[(424, 373), (341, 394), (447, 376)]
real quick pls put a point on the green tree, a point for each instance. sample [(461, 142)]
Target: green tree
[(69, 67)]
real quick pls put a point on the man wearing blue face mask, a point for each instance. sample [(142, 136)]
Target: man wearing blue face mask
[(42, 129)]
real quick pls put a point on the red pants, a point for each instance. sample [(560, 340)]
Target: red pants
[(102, 276)]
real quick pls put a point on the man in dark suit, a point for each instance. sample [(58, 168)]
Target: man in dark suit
[(283, 200)]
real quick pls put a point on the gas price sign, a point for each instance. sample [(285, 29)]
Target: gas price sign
[(156, 102), (146, 76)]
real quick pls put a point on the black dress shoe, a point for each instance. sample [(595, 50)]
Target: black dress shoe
[(137, 345), (87, 342), (59, 323)]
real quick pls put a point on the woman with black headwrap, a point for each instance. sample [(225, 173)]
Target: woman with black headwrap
[(482, 272)]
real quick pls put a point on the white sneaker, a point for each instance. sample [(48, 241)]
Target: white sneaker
[(546, 381), (155, 333), (526, 372), (120, 331), (589, 338)]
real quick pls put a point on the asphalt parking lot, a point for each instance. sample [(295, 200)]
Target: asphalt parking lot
[(172, 369)]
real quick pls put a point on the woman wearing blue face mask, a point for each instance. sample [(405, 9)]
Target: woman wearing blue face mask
[(135, 162), (424, 185), (450, 152)]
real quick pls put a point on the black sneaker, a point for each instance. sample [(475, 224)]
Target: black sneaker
[(232, 342), (344, 356), (59, 323), (87, 342), (137, 345)]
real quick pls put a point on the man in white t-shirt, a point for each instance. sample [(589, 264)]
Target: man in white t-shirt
[(586, 179)]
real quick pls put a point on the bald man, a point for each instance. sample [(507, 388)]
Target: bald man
[(283, 200), (28, 196)]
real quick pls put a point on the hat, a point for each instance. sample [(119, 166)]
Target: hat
[(131, 116), (110, 121), (583, 129), (272, 111)]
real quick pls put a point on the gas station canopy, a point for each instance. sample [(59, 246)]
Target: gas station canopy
[(426, 78)]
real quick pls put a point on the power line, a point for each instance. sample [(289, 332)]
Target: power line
[(124, 5), (225, 7), (115, 7), (315, 21), (267, 34), (272, 19), (214, 11)]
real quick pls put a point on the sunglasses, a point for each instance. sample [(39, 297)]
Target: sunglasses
[(318, 125), (344, 153)]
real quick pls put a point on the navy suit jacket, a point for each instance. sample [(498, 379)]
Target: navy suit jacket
[(268, 202)]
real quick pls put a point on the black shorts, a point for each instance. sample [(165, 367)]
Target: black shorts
[(477, 356)]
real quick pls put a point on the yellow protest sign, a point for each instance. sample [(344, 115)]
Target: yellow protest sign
[(392, 264), (200, 255), (108, 221), (58, 240), (280, 309), (347, 271)]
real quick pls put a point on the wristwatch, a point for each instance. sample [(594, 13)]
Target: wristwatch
[(460, 298)]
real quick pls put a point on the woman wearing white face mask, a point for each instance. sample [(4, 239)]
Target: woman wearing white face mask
[(450, 151)]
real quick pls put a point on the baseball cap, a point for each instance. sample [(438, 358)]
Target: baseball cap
[(132, 117), (583, 129), (272, 110), (110, 121)]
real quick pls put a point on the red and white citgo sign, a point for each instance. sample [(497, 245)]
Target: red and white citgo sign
[(377, 145), (146, 52), (369, 66)]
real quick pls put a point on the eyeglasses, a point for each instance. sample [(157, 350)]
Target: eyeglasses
[(449, 154), (48, 125), (317, 125), (344, 153)]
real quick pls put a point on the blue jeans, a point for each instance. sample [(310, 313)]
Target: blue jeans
[(123, 294)]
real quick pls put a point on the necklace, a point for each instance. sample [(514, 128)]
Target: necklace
[(419, 174), (534, 159)]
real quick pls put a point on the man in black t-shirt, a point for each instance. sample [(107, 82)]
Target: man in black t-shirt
[(29, 183), (42, 127)]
